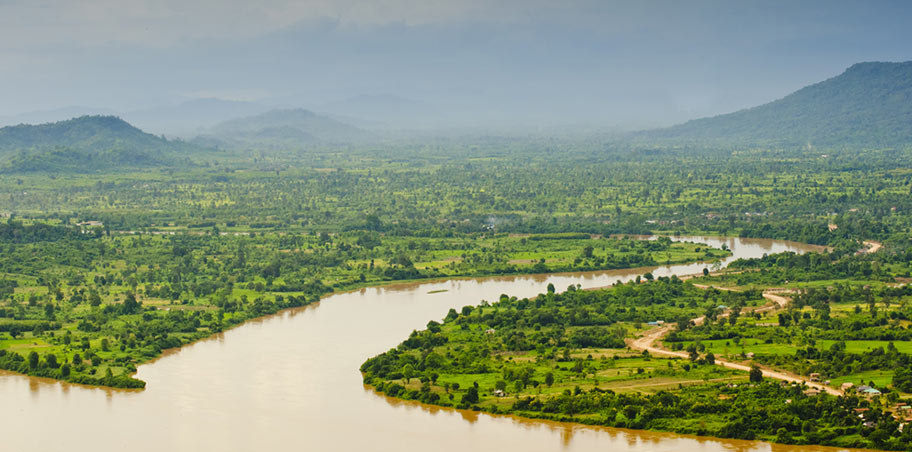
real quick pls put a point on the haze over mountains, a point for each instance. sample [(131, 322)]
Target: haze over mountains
[(868, 104), (283, 129)]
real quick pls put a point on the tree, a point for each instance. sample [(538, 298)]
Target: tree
[(902, 379), (33, 359), (130, 305), (549, 379), (683, 323), (756, 374), (51, 360), (705, 271), (471, 395), (710, 358), (550, 287), (408, 371)]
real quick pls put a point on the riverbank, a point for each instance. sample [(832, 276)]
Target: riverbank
[(127, 307)]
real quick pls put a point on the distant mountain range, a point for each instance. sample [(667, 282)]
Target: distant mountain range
[(192, 117), (86, 143), (283, 129), (868, 104)]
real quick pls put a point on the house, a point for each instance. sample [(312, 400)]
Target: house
[(812, 392), (490, 331), (815, 376), (846, 386), (750, 354), (499, 393), (91, 224), (867, 391)]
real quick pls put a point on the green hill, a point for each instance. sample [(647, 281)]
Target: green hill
[(86, 143), (868, 104)]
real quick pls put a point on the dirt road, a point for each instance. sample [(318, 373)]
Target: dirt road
[(649, 340)]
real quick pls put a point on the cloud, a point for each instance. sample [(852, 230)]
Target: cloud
[(38, 23)]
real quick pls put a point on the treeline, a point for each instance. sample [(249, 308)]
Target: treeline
[(769, 411), (49, 367), (13, 231), (785, 194), (789, 266)]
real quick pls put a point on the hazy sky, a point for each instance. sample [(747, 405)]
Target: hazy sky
[(611, 63)]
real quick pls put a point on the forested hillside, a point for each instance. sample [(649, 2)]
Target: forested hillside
[(868, 104), (87, 143)]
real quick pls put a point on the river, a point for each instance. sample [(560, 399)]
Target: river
[(290, 382)]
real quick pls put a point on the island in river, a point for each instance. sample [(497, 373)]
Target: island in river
[(842, 374)]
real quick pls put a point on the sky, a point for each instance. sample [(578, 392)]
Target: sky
[(609, 64)]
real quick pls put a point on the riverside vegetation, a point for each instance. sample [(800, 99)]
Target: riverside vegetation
[(100, 272), (94, 306)]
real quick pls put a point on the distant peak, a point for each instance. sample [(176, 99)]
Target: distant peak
[(875, 66)]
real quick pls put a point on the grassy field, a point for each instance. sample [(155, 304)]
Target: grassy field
[(607, 369), (728, 347), (880, 378)]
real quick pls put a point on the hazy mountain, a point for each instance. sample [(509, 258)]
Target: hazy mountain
[(59, 114), (191, 117), (86, 143), (384, 110), (283, 129), (868, 104)]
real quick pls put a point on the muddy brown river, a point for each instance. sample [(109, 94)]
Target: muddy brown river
[(290, 382)]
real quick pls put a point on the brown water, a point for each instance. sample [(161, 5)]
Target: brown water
[(290, 382)]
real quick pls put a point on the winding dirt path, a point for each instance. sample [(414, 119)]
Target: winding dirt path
[(648, 342)]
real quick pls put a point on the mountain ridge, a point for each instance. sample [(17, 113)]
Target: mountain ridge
[(283, 128), (91, 142), (869, 103)]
